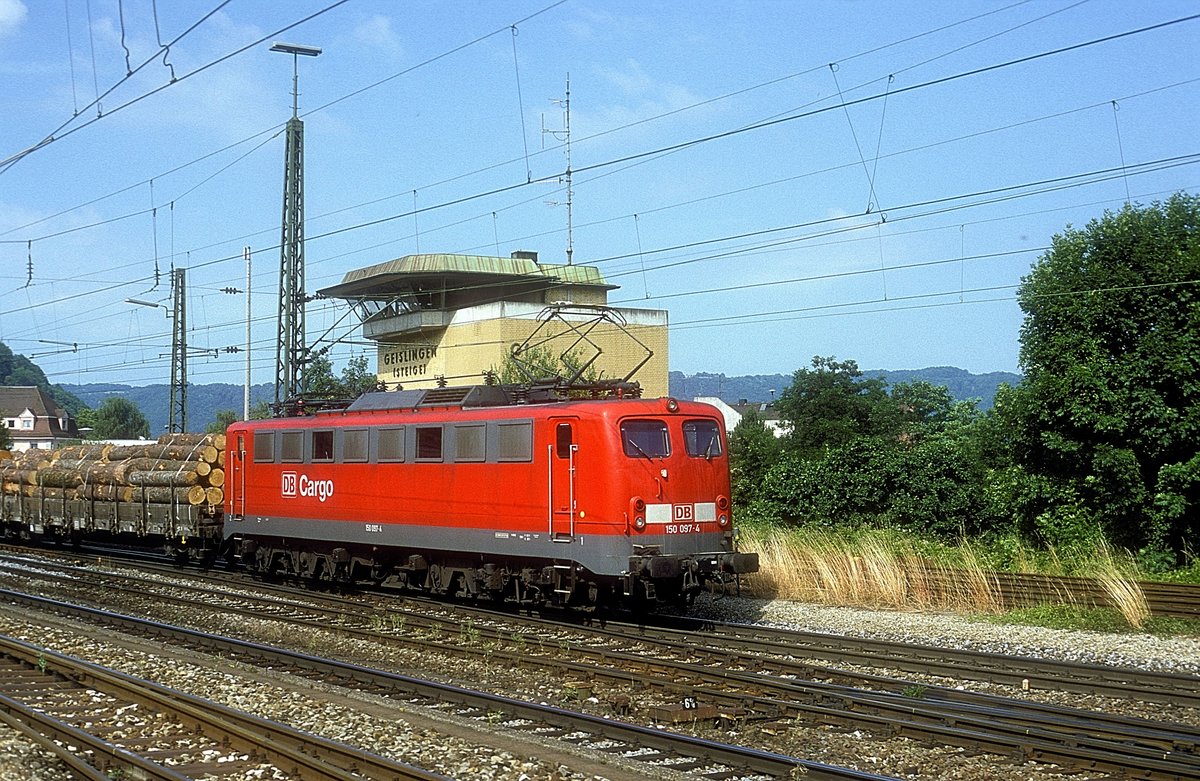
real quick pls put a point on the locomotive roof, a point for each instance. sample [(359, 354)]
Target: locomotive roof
[(466, 396), (484, 396)]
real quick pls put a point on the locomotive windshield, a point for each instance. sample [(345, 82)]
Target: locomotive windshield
[(645, 439), (701, 438)]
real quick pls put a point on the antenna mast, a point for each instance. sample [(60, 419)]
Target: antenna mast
[(565, 133), (570, 192)]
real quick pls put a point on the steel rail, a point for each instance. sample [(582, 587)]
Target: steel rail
[(311, 756), (1019, 671), (665, 743), (1002, 725)]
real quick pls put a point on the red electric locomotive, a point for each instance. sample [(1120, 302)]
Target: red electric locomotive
[(490, 491)]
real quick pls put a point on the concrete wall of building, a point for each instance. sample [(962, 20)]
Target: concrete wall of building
[(479, 338)]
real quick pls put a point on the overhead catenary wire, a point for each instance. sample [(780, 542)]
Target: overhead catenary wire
[(60, 133), (599, 134)]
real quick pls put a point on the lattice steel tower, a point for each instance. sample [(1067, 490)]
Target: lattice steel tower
[(290, 350), (177, 417)]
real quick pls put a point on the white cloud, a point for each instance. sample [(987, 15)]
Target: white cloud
[(377, 32), (12, 14)]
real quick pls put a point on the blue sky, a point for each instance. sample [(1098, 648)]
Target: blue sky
[(865, 180)]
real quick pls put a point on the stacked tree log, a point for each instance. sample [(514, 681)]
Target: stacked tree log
[(177, 468)]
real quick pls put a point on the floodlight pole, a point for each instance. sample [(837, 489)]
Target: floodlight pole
[(290, 349)]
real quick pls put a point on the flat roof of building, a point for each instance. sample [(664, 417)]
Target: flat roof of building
[(441, 271)]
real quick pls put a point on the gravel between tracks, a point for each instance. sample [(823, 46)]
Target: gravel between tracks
[(471, 758), (1141, 651)]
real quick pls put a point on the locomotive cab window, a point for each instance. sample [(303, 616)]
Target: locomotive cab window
[(264, 447), (564, 437), (645, 439), (322, 446), (429, 443), (701, 438), (292, 449)]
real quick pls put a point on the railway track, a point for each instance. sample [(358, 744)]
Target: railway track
[(683, 753), (103, 725), (724, 680)]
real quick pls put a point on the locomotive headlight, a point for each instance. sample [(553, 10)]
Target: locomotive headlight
[(637, 511), (672, 405), (723, 519)]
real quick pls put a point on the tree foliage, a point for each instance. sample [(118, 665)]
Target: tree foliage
[(17, 370), (1109, 413), (356, 379), (224, 419), (829, 405), (753, 448), (118, 418), (863, 454)]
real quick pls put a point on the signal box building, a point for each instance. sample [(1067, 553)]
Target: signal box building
[(451, 318)]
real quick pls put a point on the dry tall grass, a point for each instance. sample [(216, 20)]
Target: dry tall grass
[(883, 570), (870, 570)]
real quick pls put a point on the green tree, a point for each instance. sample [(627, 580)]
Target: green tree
[(831, 404), (1110, 407), (119, 418), (18, 370), (753, 449), (224, 419), (864, 455), (356, 379)]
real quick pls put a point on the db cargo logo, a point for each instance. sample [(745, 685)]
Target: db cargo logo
[(302, 485), (684, 512)]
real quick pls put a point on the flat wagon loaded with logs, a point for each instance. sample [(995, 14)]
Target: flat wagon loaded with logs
[(171, 488)]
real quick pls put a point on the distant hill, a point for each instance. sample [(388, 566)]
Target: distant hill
[(962, 385), (203, 401)]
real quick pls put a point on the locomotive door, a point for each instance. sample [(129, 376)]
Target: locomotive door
[(237, 478), (561, 451)]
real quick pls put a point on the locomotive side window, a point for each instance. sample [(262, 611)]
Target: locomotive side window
[(645, 439), (429, 443), (701, 438), (391, 444), (292, 449), (354, 445), (264, 447), (564, 437), (322, 446), (469, 442), (514, 441)]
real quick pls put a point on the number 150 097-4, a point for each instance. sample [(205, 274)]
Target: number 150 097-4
[(682, 528)]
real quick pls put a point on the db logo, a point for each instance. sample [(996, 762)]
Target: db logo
[(289, 484), (683, 512)]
